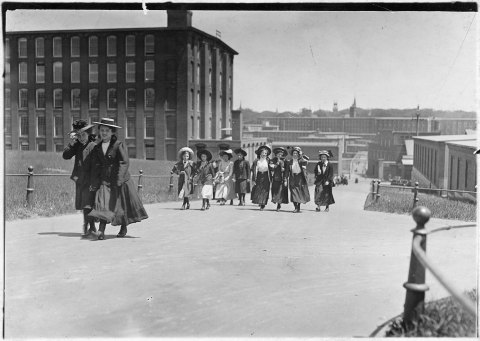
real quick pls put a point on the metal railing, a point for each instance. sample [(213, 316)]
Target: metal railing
[(419, 262), (30, 181)]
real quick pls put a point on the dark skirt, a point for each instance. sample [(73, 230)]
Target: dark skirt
[(299, 189), (119, 205), (84, 199), (184, 190), (242, 186), (323, 195), (261, 190), (279, 193)]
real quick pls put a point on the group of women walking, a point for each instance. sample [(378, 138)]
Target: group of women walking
[(225, 180), (105, 191)]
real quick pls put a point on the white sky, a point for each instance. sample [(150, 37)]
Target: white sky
[(290, 60)]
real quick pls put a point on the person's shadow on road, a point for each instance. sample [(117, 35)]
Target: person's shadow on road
[(79, 235)]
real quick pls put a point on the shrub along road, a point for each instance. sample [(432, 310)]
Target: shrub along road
[(229, 271)]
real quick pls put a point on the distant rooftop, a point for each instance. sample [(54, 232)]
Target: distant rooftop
[(447, 138)]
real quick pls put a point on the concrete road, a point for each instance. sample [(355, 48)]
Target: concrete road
[(230, 271)]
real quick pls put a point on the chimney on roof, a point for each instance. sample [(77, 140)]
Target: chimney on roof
[(179, 18)]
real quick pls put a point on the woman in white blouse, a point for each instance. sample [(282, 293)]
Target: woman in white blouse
[(261, 178), (295, 172)]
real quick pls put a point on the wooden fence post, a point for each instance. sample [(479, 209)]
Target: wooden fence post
[(416, 287), (415, 194), (140, 181), (30, 186), (377, 195)]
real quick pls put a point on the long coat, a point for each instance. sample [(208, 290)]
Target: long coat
[(81, 171), (116, 201), (241, 174), (185, 180), (279, 190), (323, 192), (297, 183)]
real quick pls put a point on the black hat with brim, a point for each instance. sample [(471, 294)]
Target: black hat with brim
[(240, 151), (206, 152)]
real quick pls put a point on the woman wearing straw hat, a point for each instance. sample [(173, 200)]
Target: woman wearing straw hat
[(324, 181), (279, 182), (116, 201), (205, 175), (185, 169), (297, 181), (81, 146), (241, 175), (261, 177), (225, 190)]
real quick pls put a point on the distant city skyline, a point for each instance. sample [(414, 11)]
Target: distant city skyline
[(307, 59)]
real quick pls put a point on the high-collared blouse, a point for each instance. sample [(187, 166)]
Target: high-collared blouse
[(296, 169), (262, 165)]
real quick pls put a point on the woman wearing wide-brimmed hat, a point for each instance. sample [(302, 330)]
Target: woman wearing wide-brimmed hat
[(295, 172), (116, 201), (261, 177), (81, 146), (224, 189), (185, 169), (324, 181), (241, 175), (205, 175), (279, 181)]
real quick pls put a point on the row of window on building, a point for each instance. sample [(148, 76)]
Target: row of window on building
[(93, 43), (93, 101)]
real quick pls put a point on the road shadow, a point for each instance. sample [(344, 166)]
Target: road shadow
[(88, 238)]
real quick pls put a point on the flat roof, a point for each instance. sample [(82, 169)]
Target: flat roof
[(472, 144), (446, 138)]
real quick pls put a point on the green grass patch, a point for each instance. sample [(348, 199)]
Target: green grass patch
[(401, 202), (54, 195), (442, 318)]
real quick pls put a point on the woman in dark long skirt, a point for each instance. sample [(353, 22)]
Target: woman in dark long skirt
[(185, 169), (324, 181), (296, 169), (116, 201), (279, 181), (261, 177), (81, 147), (241, 175)]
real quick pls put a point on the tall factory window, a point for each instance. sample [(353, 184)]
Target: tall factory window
[(111, 98), (149, 98), (171, 98), (39, 47), (22, 72), (198, 101), (149, 44), (130, 45), (171, 127), (7, 48), (41, 126), (149, 70), (75, 72), (111, 72), (210, 77), (7, 99), (130, 72), (40, 98), (192, 99), (24, 126), (22, 47), (7, 72), (93, 73), (93, 99), (75, 99), (23, 99), (57, 99), (75, 47), (131, 101), (57, 126), (57, 72), (131, 126), (111, 46), (149, 126), (198, 73), (192, 73), (93, 46), (57, 46)]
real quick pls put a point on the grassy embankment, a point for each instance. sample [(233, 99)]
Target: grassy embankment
[(401, 202), (54, 195)]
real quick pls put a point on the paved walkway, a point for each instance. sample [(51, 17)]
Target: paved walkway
[(229, 271)]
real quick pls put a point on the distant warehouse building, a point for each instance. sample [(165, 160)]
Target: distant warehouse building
[(445, 161), (168, 87)]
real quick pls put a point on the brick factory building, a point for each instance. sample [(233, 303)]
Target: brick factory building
[(168, 87)]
